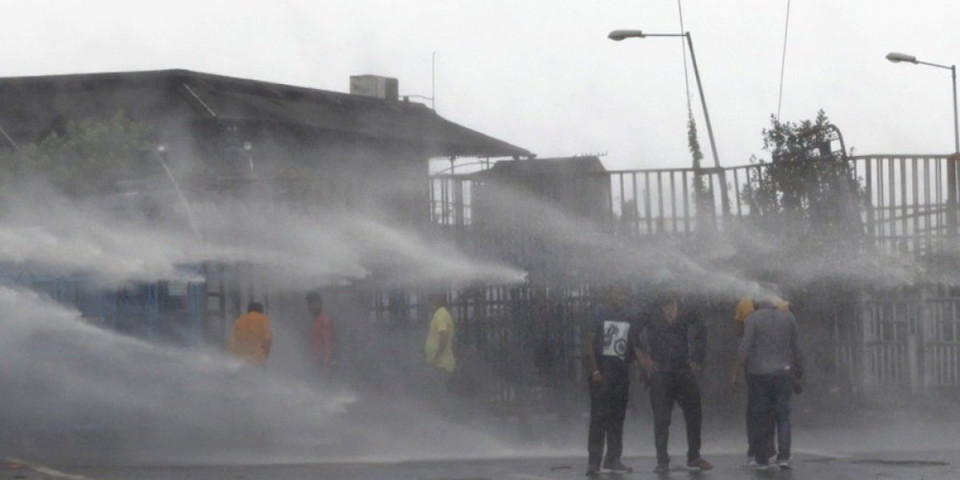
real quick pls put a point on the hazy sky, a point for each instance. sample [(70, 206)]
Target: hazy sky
[(541, 74)]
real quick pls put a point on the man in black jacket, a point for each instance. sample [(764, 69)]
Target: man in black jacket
[(673, 347)]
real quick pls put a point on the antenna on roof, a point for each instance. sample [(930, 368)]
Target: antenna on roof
[(433, 85)]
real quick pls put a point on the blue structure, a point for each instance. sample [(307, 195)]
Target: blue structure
[(167, 311)]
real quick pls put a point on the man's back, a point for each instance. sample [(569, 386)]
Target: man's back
[(250, 337), (770, 341)]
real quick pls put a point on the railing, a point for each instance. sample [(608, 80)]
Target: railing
[(903, 206)]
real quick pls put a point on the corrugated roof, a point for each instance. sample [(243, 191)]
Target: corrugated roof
[(30, 105)]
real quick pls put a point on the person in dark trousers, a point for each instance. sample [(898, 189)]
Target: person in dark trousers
[(744, 308), (770, 353), (610, 345), (672, 350)]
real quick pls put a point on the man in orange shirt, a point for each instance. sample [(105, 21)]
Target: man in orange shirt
[(251, 337)]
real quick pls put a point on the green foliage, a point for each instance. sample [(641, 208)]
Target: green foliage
[(88, 157), (807, 186), (693, 143)]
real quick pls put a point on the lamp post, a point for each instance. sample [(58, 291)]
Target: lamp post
[(618, 35), (951, 162)]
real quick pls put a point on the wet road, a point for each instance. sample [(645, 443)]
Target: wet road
[(888, 466)]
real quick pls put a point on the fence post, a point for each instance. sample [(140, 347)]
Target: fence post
[(913, 363), (952, 195)]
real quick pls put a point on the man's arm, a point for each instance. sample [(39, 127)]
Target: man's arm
[(744, 308), (697, 343), (645, 362), (742, 352), (590, 354)]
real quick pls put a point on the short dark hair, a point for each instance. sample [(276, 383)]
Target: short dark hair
[(664, 297), (255, 307)]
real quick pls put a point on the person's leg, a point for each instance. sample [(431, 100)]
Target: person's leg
[(769, 411), (784, 390), (595, 433), (689, 399), (661, 401), (757, 417), (616, 414)]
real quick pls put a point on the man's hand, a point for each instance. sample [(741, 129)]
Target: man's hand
[(596, 376), (695, 367), (648, 365)]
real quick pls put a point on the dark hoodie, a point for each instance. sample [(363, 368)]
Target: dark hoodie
[(673, 346)]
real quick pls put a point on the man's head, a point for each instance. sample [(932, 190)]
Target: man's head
[(437, 300), (315, 303), (666, 302), (768, 295), (615, 296), (255, 307)]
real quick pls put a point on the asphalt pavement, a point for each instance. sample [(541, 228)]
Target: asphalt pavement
[(926, 465)]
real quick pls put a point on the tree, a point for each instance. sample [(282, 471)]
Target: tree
[(86, 157), (808, 189)]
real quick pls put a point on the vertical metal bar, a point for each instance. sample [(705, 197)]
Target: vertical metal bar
[(916, 207), (941, 202), (928, 205), (662, 220), (736, 190), (904, 212), (871, 216), (647, 207), (673, 202), (610, 200), (635, 221), (623, 195), (686, 202), (892, 187), (882, 221)]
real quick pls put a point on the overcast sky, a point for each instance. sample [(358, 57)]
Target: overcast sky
[(541, 74)]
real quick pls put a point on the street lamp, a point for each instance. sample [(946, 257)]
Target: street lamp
[(951, 164), (618, 35)]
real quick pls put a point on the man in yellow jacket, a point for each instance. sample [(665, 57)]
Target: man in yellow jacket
[(251, 337), (439, 343)]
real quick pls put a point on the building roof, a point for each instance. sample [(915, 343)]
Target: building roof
[(30, 106), (545, 166)]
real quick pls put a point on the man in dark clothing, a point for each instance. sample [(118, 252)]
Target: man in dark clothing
[(672, 349), (611, 343), (770, 352)]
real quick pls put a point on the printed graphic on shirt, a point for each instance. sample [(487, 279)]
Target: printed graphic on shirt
[(615, 339)]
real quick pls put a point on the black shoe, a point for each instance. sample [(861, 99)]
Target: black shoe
[(617, 467), (593, 472)]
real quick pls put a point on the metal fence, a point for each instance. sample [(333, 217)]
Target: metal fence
[(911, 340), (906, 203)]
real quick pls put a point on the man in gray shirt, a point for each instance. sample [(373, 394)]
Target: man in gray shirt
[(770, 351)]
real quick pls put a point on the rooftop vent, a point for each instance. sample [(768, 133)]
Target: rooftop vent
[(374, 86)]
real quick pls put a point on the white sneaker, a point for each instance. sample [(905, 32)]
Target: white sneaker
[(784, 464), (751, 462)]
